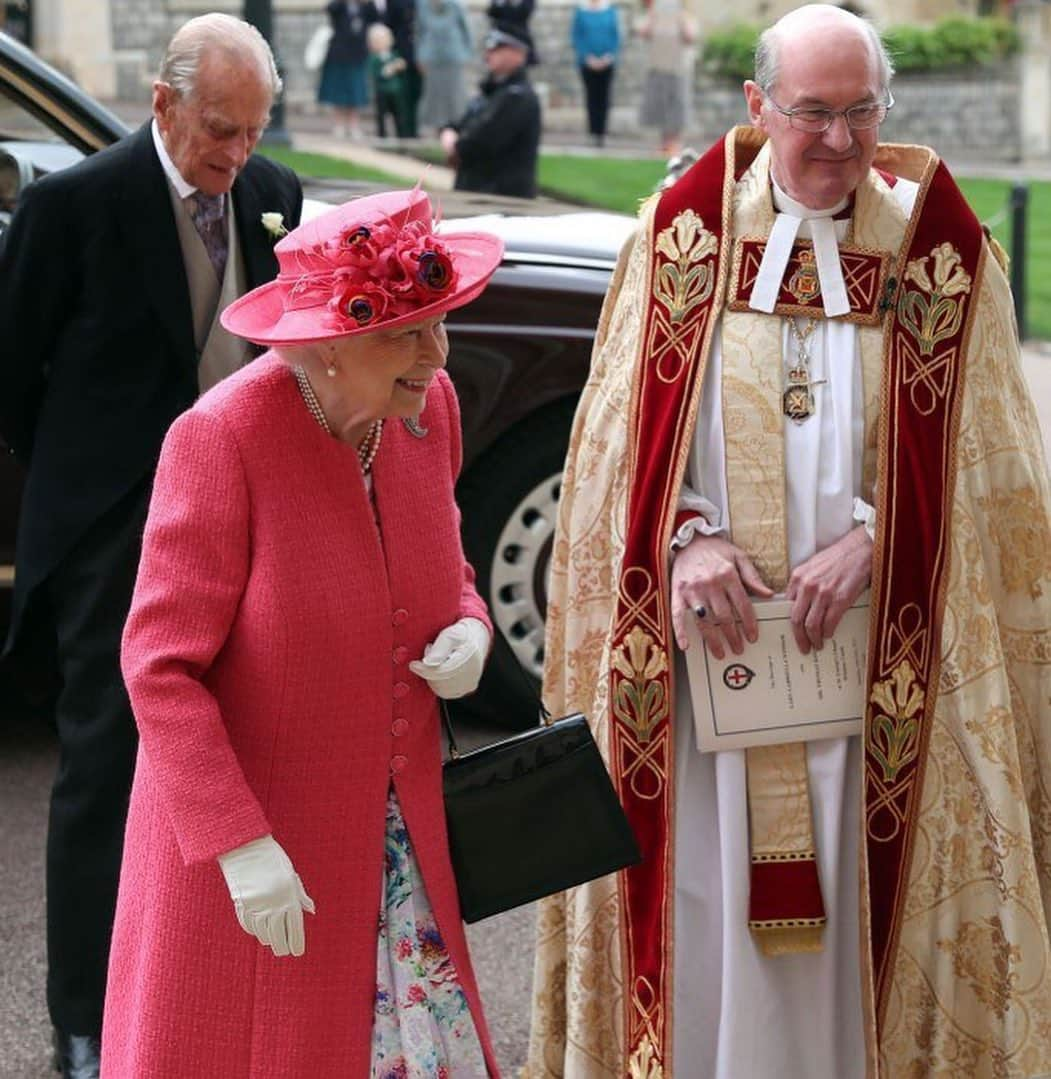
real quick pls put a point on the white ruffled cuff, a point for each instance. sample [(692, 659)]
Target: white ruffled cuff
[(695, 526), (866, 515)]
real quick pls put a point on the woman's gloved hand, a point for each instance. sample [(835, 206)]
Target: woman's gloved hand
[(453, 663), (268, 895)]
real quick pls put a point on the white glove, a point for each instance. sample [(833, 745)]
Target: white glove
[(454, 662), (268, 895)]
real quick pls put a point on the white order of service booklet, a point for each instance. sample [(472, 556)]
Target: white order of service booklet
[(772, 693)]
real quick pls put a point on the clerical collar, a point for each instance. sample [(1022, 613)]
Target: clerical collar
[(784, 203), (796, 220)]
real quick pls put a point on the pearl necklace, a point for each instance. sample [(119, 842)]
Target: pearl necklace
[(368, 447)]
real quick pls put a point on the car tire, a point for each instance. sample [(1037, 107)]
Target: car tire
[(509, 501)]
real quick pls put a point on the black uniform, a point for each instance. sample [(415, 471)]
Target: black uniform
[(499, 138)]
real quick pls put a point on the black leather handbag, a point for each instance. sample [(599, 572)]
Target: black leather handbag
[(530, 815)]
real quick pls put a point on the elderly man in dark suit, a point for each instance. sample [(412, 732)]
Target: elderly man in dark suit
[(114, 274)]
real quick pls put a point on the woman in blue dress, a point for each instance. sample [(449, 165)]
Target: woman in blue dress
[(344, 75)]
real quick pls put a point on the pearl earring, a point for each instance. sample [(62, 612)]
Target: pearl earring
[(331, 369)]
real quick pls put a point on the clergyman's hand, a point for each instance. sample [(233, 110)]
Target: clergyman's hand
[(712, 573), (823, 587)]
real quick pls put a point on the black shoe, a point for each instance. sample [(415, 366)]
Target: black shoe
[(76, 1056)]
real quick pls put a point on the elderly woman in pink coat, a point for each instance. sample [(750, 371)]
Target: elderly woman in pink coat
[(287, 907)]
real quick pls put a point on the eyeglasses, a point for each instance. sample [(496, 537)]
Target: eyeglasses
[(858, 117)]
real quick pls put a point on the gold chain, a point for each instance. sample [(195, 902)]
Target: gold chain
[(798, 398), (368, 447)]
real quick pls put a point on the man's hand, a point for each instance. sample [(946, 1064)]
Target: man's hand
[(448, 138), (712, 573), (824, 586)]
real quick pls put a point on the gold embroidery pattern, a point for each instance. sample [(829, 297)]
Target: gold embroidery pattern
[(939, 317), (895, 729), (643, 1063), (687, 278), (931, 312), (892, 730), (1021, 533), (906, 639), (680, 284), (1028, 647), (804, 284), (640, 700), (864, 274)]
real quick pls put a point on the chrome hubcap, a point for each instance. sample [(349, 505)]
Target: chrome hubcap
[(518, 577)]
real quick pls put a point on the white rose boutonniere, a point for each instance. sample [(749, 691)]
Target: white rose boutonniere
[(274, 223)]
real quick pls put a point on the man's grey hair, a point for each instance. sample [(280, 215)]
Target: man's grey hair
[(767, 53), (239, 40)]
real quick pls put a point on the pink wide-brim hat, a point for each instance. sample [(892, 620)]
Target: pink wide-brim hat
[(374, 263)]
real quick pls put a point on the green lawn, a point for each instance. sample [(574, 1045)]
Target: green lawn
[(324, 167), (620, 183), (612, 183), (988, 198)]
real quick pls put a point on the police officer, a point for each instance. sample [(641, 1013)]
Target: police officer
[(494, 146)]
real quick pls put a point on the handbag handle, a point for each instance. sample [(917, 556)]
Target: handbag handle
[(544, 714)]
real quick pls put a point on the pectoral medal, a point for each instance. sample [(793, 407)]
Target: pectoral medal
[(797, 399)]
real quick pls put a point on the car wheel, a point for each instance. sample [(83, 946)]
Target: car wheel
[(509, 501)]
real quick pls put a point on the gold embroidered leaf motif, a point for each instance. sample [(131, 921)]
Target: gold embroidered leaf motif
[(643, 1063), (934, 319), (684, 280), (894, 735), (640, 699)]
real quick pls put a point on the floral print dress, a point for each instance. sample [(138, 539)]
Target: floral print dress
[(423, 1027)]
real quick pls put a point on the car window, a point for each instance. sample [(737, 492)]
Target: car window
[(28, 149), (18, 123)]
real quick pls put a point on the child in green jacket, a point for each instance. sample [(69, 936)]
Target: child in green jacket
[(388, 72)]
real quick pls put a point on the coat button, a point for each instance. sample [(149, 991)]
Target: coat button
[(400, 617), (401, 654), (397, 764), (399, 727), (400, 690)]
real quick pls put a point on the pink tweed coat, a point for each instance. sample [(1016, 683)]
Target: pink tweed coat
[(266, 656)]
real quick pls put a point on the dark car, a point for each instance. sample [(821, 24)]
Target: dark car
[(518, 356)]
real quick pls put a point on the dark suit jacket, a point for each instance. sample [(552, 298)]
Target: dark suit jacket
[(97, 354)]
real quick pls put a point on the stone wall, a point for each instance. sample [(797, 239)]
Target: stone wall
[(141, 29), (964, 115)]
